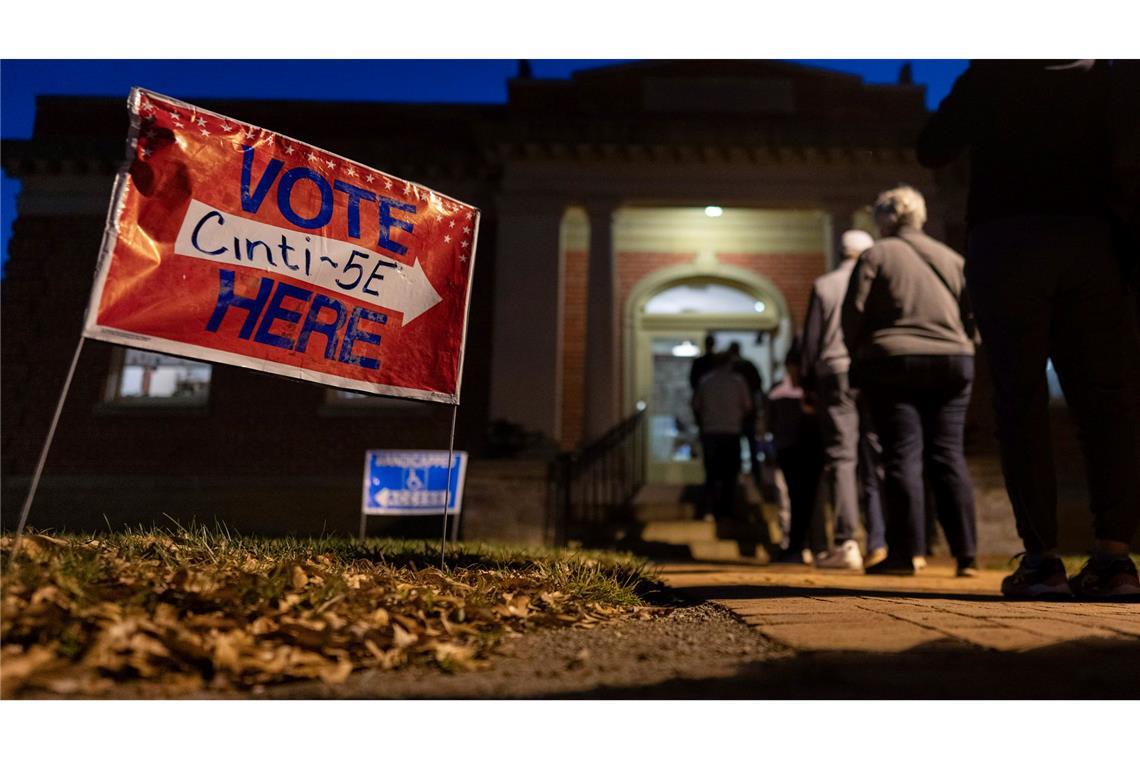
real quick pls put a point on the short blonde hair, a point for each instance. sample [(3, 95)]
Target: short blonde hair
[(900, 206)]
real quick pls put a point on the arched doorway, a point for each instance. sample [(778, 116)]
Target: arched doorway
[(668, 317)]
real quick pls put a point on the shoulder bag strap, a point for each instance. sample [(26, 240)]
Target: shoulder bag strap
[(967, 320)]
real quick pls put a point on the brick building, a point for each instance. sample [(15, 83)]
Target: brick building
[(628, 211)]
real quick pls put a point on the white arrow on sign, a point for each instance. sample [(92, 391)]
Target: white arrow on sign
[(224, 238)]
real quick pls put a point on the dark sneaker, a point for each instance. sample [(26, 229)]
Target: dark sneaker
[(1045, 578), (1100, 578), (789, 557), (892, 566)]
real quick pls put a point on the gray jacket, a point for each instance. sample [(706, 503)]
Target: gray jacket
[(824, 352), (897, 304)]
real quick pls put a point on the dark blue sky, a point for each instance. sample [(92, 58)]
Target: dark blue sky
[(470, 81)]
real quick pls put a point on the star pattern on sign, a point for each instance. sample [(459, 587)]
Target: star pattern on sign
[(226, 127), (387, 184), (147, 152), (330, 163), (312, 156), (465, 243), (205, 132), (408, 189), (447, 238), (148, 106), (350, 171), (467, 229), (451, 223), (370, 179), (463, 258), (289, 150), (269, 139), (200, 121)]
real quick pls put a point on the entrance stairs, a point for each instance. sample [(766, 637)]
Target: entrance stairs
[(665, 527)]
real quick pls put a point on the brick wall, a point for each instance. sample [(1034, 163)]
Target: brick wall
[(792, 273), (574, 280)]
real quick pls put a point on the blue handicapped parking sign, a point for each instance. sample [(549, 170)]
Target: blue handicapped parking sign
[(401, 482)]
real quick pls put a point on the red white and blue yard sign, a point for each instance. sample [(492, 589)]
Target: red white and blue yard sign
[(230, 243)]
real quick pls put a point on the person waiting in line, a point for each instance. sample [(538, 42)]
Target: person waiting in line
[(795, 435), (751, 376), (1046, 285), (721, 403), (825, 369), (908, 326), (703, 363)]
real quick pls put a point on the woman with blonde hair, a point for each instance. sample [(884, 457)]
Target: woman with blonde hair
[(909, 329)]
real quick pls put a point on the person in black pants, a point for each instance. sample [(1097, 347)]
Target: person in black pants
[(1046, 283), (751, 376), (908, 326), (796, 436)]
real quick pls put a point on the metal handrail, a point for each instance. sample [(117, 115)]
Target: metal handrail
[(595, 485)]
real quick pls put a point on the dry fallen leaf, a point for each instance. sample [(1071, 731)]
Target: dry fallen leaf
[(299, 579)]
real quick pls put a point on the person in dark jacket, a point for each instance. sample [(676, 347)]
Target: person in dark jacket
[(703, 363), (1046, 284), (751, 377), (909, 330)]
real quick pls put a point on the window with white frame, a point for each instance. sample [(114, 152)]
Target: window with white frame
[(146, 377)]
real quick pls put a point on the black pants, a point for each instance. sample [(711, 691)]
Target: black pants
[(802, 466), (749, 433), (918, 405), (722, 466), (1050, 287)]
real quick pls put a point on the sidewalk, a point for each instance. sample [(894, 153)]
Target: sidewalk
[(813, 610), (848, 635)]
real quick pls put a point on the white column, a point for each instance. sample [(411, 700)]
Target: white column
[(603, 379), (526, 360)]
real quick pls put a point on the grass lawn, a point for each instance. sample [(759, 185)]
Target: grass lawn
[(176, 611)]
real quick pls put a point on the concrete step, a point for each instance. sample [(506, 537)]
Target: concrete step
[(658, 511), (687, 531), (678, 531), (727, 551)]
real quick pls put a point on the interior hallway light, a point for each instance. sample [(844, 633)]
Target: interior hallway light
[(713, 211), (686, 349), (759, 307)]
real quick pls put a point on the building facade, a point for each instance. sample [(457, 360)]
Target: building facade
[(628, 212)]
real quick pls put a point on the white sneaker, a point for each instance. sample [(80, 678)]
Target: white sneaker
[(845, 557)]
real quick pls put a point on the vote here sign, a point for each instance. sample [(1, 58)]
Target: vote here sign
[(230, 243)]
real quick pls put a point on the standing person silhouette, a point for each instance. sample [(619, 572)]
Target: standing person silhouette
[(825, 372), (1045, 284), (751, 377), (721, 403), (909, 329)]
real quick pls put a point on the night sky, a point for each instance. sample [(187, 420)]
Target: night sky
[(456, 81)]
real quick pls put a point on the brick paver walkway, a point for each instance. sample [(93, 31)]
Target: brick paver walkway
[(832, 611)]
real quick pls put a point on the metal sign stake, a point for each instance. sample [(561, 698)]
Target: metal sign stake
[(44, 452), (447, 492)]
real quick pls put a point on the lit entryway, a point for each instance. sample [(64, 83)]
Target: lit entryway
[(671, 328)]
